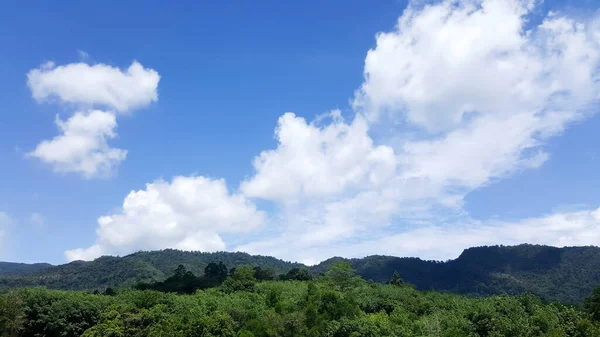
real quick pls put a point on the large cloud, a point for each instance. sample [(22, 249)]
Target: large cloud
[(82, 145), (98, 85), (312, 161), (187, 213), (473, 96)]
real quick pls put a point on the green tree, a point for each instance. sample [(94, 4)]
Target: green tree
[(242, 280), (396, 280), (592, 304), (341, 273), (11, 315)]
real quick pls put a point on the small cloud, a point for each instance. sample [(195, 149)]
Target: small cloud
[(37, 219), (83, 55)]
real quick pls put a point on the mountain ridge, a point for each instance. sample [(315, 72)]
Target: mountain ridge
[(566, 274)]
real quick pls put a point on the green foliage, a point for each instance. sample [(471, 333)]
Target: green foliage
[(592, 304), (287, 309), (565, 274), (243, 279)]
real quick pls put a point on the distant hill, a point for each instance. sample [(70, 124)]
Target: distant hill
[(138, 267), (14, 269), (555, 274)]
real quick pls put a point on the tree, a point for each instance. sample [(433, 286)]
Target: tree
[(341, 274), (216, 271), (592, 304), (396, 280), (110, 292), (243, 279), (298, 274), (11, 315), (264, 274)]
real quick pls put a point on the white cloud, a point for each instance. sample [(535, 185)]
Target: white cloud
[(82, 145), (580, 228), (475, 97), (445, 62), (95, 85), (37, 219), (188, 213), (312, 161)]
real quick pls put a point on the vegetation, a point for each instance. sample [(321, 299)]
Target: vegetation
[(337, 304), (566, 274)]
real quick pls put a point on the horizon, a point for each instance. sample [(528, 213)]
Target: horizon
[(298, 131), (298, 262)]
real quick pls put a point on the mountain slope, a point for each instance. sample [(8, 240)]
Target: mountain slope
[(563, 274), (138, 267), (14, 269)]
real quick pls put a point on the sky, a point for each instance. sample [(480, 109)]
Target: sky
[(301, 130)]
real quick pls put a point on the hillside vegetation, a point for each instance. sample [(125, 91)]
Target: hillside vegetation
[(555, 274), (336, 304)]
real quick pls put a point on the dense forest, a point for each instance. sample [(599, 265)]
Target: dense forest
[(565, 274), (246, 301)]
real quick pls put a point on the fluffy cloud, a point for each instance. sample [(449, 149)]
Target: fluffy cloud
[(473, 96), (447, 63), (95, 85), (82, 145), (188, 213), (312, 161)]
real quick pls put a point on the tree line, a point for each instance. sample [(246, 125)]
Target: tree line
[(251, 302)]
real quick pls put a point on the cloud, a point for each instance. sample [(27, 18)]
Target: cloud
[(438, 242), (37, 219), (312, 161), (95, 85), (466, 93), (82, 145), (188, 213), (473, 97), (444, 63)]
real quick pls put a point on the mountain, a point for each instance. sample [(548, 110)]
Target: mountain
[(14, 269), (138, 267), (556, 274)]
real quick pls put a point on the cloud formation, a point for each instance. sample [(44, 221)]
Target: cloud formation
[(188, 213), (473, 95), (468, 93), (82, 146), (95, 85)]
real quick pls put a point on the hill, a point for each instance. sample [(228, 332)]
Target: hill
[(14, 269), (111, 271), (555, 274)]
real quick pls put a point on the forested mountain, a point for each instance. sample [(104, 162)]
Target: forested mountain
[(240, 304), (565, 274), (138, 267), (13, 269)]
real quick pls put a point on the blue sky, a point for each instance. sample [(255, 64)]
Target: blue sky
[(482, 130)]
